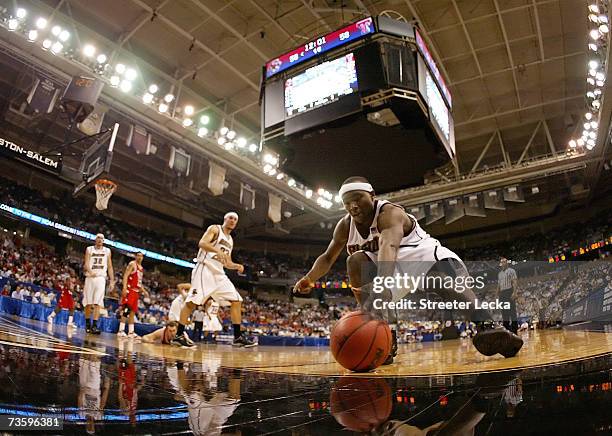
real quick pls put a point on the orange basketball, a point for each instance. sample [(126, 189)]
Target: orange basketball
[(361, 404), (360, 342)]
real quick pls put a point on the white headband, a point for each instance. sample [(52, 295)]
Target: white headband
[(100, 235), (355, 186), (229, 214)]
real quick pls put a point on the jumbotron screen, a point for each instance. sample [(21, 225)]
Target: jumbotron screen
[(320, 85)]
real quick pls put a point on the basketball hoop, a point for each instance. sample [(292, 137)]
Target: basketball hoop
[(104, 190)]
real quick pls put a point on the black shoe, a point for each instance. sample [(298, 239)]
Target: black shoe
[(181, 341), (393, 351), (243, 341), (498, 340), (95, 330)]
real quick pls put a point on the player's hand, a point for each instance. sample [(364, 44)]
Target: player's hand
[(303, 286), (240, 268), (222, 257)]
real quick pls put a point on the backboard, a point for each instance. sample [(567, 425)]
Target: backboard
[(97, 160)]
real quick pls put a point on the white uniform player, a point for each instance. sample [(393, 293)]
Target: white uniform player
[(208, 278), (417, 254), (211, 320), (97, 266)]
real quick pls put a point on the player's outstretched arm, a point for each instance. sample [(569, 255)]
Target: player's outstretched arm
[(154, 336), (325, 261), (183, 288), (391, 223)]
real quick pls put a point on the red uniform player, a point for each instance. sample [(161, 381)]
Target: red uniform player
[(66, 301), (132, 287)]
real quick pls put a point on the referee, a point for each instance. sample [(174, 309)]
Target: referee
[(507, 286)]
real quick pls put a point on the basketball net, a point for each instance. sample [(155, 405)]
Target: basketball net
[(104, 190)]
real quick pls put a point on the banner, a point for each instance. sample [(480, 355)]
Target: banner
[(12, 150), (274, 208), (216, 179)]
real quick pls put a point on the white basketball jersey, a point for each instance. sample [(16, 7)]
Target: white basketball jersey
[(98, 260), (223, 242), (369, 244), (213, 309)]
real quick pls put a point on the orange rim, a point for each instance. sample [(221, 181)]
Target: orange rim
[(106, 183)]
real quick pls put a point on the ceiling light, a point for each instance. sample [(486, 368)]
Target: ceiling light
[(101, 58), (147, 98), (252, 148), (57, 47), (32, 35), (593, 135), (602, 19), (64, 35), (597, 91), (229, 145), (338, 199), (126, 86), (241, 142), (231, 134), (592, 72), (594, 34), (56, 30), (202, 131), (188, 110), (572, 144), (291, 183), (593, 18), (168, 98), (599, 82), (590, 94), (89, 51), (131, 74), (279, 176), (115, 80), (596, 103), (593, 64), (187, 122), (590, 141), (587, 126), (21, 13), (588, 115), (163, 108), (594, 8), (580, 142), (272, 172), (267, 168), (308, 193), (594, 124), (47, 44), (590, 146), (153, 88), (120, 68), (223, 130), (593, 46), (590, 81), (221, 140), (604, 28), (204, 119), (13, 24), (600, 76), (41, 23)]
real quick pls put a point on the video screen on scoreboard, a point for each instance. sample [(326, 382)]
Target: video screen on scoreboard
[(320, 85)]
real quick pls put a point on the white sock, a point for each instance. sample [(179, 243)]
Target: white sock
[(52, 315), (131, 328), (70, 318), (122, 327)]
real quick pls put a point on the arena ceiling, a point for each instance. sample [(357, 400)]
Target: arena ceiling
[(516, 68)]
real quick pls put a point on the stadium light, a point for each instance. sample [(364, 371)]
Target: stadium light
[(162, 108), (153, 88), (593, 72), (89, 51), (593, 18), (588, 115), (131, 74), (594, 8), (594, 124), (272, 172), (594, 34), (57, 48), (593, 64), (602, 19), (115, 80), (338, 199), (47, 43), (592, 46), (572, 144), (147, 98), (231, 134), (590, 94), (221, 140), (204, 119), (13, 24), (56, 30), (580, 142), (32, 35), (308, 193), (189, 110), (280, 176), (587, 126), (187, 122), (21, 13), (252, 148), (41, 23), (229, 145), (168, 98), (202, 131), (291, 183), (101, 58), (599, 82), (126, 86), (267, 168), (241, 142), (593, 135), (223, 130), (120, 69), (604, 28), (64, 35)]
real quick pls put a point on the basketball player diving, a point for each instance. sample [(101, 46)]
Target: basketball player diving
[(382, 240), (208, 279)]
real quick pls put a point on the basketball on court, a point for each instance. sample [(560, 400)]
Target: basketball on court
[(360, 342), (359, 404)]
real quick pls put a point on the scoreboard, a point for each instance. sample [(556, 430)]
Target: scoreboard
[(320, 45)]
